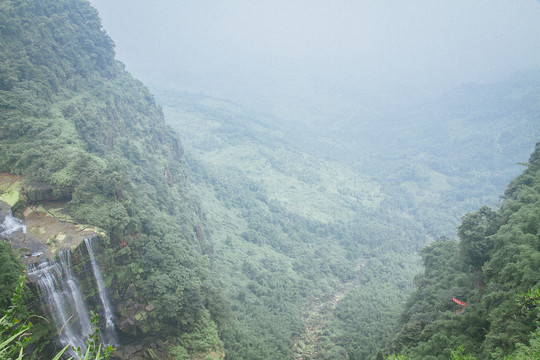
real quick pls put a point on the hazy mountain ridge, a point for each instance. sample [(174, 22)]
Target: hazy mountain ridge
[(441, 154), (222, 254), (418, 188)]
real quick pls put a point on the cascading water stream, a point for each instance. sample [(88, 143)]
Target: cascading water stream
[(63, 299), (62, 296), (11, 224), (79, 302), (110, 336)]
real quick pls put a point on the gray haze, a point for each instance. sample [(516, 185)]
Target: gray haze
[(242, 49)]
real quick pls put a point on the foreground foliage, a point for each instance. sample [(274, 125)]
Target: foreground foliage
[(13, 333)]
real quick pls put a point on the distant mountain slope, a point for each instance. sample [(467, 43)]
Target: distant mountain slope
[(449, 155), (291, 230), (257, 169)]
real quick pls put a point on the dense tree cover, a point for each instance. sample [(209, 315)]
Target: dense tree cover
[(71, 117), (473, 234), (438, 158), (498, 250), (250, 164), (10, 268), (275, 229), (281, 261)]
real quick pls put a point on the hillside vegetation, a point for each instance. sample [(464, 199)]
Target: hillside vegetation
[(71, 117), (268, 238), (495, 270), (291, 230), (255, 173)]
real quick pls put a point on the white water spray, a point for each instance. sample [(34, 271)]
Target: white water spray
[(64, 301), (11, 225), (80, 305), (110, 336)]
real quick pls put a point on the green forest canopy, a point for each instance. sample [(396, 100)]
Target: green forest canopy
[(226, 264), (495, 269)]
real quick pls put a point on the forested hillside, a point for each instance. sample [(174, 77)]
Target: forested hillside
[(293, 234), (440, 157), (495, 269), (266, 237), (253, 168), (72, 118)]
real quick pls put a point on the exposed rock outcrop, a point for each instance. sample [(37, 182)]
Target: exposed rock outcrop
[(36, 192), (49, 228), (10, 191)]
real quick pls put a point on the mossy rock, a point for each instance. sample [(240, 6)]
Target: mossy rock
[(141, 316), (61, 215), (10, 192), (39, 230), (11, 197), (40, 210), (36, 192)]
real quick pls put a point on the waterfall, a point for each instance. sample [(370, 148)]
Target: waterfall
[(11, 224), (62, 296), (65, 303), (80, 305), (110, 336), (63, 299)]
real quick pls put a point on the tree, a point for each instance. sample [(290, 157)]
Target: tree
[(474, 233), (10, 268)]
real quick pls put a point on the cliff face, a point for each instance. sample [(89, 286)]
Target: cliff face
[(88, 136)]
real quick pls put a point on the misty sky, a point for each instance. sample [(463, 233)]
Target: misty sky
[(240, 48)]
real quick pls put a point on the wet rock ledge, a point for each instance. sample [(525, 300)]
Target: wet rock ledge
[(49, 228)]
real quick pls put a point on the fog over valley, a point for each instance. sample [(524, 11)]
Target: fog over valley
[(313, 50), (270, 180)]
